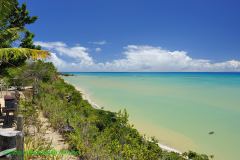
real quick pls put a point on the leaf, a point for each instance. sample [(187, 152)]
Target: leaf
[(7, 54)]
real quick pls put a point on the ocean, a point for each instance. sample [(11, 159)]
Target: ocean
[(186, 111)]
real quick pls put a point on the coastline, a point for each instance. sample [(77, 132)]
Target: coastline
[(86, 96)]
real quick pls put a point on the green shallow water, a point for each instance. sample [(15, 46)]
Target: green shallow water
[(180, 109)]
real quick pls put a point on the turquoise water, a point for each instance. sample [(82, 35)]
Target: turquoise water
[(180, 109)]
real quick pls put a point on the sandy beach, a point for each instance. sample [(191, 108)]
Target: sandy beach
[(87, 97)]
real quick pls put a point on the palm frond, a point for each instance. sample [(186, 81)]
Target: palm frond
[(7, 54)]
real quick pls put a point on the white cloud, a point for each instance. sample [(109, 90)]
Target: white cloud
[(99, 42), (50, 45), (98, 49), (136, 58), (57, 61), (77, 53)]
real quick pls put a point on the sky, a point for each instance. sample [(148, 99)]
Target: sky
[(139, 35)]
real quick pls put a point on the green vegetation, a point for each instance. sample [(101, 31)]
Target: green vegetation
[(34, 142), (96, 134), (13, 19), (65, 74)]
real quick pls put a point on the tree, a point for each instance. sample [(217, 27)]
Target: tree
[(27, 41), (6, 7), (14, 18)]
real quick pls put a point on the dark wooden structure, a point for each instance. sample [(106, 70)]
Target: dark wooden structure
[(10, 101), (11, 140), (9, 110)]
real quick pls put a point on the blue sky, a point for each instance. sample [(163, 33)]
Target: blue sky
[(200, 29)]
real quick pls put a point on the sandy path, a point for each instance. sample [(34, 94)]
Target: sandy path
[(56, 139), (50, 135)]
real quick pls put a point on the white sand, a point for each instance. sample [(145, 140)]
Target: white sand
[(169, 149), (86, 96)]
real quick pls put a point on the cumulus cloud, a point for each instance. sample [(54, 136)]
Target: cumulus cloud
[(57, 61), (76, 53), (137, 58)]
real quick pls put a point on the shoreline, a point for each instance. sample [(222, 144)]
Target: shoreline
[(86, 96)]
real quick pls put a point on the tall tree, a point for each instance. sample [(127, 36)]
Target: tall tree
[(13, 18), (6, 6), (16, 20)]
